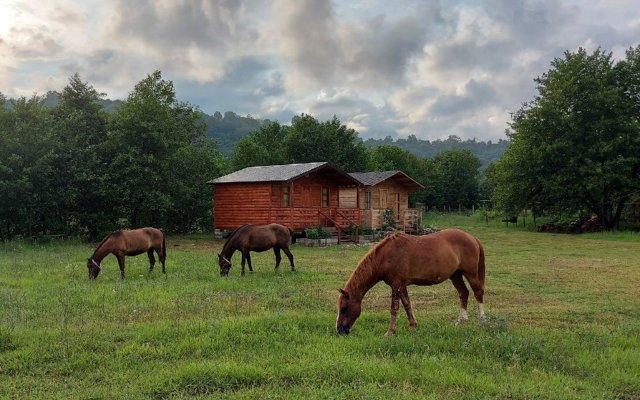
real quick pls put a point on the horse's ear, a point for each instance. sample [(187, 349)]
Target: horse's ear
[(345, 293)]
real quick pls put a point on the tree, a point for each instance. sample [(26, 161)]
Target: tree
[(387, 157), (309, 140), (576, 146), (30, 201), (306, 140), (263, 147), (156, 143), (459, 170), (80, 131)]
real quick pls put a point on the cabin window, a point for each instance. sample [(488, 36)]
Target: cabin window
[(325, 197), (367, 200), (286, 201)]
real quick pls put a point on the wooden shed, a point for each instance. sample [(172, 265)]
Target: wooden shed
[(385, 190), (298, 196)]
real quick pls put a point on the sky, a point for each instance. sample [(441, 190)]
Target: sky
[(427, 68)]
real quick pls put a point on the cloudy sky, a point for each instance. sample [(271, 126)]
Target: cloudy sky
[(425, 67)]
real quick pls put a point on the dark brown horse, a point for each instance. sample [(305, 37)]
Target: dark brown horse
[(129, 243), (402, 260), (258, 238)]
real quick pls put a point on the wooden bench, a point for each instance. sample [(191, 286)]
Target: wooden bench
[(512, 220)]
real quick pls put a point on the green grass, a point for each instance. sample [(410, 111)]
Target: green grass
[(564, 322)]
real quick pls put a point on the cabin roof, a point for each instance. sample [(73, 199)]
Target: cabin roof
[(376, 177), (285, 173)]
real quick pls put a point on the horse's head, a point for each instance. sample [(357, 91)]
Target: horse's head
[(348, 311), (225, 265), (93, 267)]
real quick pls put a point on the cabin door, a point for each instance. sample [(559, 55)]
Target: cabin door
[(306, 196), (384, 203)]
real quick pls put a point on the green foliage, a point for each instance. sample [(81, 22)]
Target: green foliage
[(388, 218), (160, 153), (459, 171), (263, 147), (576, 146), (69, 167), (229, 129), (309, 140), (306, 140), (317, 233), (487, 152)]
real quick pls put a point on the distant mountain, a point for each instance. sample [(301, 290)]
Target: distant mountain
[(229, 128), (487, 152), (52, 98)]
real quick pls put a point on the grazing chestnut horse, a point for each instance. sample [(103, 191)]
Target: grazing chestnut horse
[(129, 243), (402, 260), (255, 238)]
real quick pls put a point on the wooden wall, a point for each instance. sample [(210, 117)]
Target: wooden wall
[(236, 204), (383, 195)]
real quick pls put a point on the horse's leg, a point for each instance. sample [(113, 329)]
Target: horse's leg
[(249, 261), (276, 251), (162, 255), (406, 303), (244, 259), (290, 256), (463, 293), (152, 259), (120, 258), (395, 304), (478, 292)]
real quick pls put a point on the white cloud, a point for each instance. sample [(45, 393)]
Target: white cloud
[(429, 68)]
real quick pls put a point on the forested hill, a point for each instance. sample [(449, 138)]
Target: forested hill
[(487, 152), (228, 128)]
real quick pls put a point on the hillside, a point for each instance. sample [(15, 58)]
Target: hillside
[(228, 128)]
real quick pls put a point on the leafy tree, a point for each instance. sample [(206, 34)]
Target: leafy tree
[(387, 157), (576, 146), (263, 147), (309, 140), (152, 139), (459, 171), (30, 200), (80, 130)]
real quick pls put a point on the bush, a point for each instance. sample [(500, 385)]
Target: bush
[(388, 218), (317, 233)]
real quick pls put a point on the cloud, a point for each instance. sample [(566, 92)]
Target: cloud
[(425, 67)]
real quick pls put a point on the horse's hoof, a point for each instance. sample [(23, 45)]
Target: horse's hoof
[(390, 333)]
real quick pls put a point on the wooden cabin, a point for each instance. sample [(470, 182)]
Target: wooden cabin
[(298, 196), (384, 190)]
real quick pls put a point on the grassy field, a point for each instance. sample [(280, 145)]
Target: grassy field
[(563, 323)]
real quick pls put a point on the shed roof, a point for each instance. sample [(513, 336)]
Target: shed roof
[(376, 177), (284, 173)]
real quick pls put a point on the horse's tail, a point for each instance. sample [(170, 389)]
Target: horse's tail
[(164, 245), (481, 266), (292, 238)]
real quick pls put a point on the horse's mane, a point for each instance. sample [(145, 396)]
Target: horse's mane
[(104, 240), (233, 235), (367, 265)]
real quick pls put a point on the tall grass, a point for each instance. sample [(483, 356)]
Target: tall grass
[(564, 317)]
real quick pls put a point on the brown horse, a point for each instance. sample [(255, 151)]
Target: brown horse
[(258, 238), (129, 243), (402, 260)]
